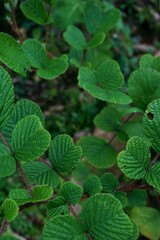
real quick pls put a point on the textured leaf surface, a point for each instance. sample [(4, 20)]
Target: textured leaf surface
[(6, 97), (104, 218), (98, 152), (12, 55), (109, 182), (20, 196), (9, 209), (35, 53), (8, 237), (57, 206), (75, 37), (92, 185), (40, 173), (29, 139), (135, 233), (108, 119), (148, 221), (135, 160), (71, 192), (96, 40), (34, 10), (7, 162), (63, 154), (53, 68), (41, 193), (147, 61), (104, 83), (137, 198), (144, 87), (153, 176), (121, 196), (64, 227)]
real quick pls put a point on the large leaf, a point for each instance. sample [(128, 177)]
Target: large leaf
[(41, 193), (104, 83), (121, 196), (57, 206), (29, 139), (64, 227), (137, 198), (8, 237), (20, 196), (7, 162), (148, 221), (98, 152), (6, 97), (109, 182), (144, 87), (71, 192), (12, 55), (35, 53), (9, 209), (40, 173), (153, 176), (147, 61), (104, 218), (92, 185), (34, 10), (63, 154)]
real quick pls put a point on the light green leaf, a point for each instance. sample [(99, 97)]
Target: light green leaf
[(8, 237), (12, 55), (109, 182), (104, 83), (147, 61), (63, 154), (75, 38), (153, 176), (64, 227), (135, 160), (92, 185), (7, 162), (98, 152), (131, 110), (135, 233), (20, 196), (57, 206), (29, 139), (108, 119), (96, 40), (53, 68), (34, 10), (35, 53), (6, 96), (137, 198), (121, 196), (104, 218), (148, 221), (40, 173), (9, 209), (144, 87), (71, 192), (41, 193)]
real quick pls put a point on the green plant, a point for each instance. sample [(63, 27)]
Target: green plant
[(111, 206)]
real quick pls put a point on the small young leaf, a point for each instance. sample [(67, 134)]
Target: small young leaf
[(71, 192), (96, 40), (41, 193), (109, 182), (98, 152), (147, 61), (9, 209), (20, 196), (92, 185), (137, 198), (57, 206)]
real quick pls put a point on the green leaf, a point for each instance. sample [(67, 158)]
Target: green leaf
[(40, 173), (92, 185), (41, 193), (121, 196), (53, 68), (96, 40), (98, 152), (75, 38), (148, 221), (104, 83), (135, 160), (9, 209), (8, 237), (137, 198), (12, 55), (153, 176), (57, 206), (109, 182), (75, 57), (29, 139), (35, 53), (63, 154), (144, 87), (81, 171), (71, 192), (21, 109), (50, 1), (108, 119), (64, 227), (34, 10), (104, 218), (147, 61), (135, 233), (7, 162), (6, 96), (20, 196), (151, 123)]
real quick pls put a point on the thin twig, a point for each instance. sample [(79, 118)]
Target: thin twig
[(2, 226), (121, 186), (47, 33), (153, 161)]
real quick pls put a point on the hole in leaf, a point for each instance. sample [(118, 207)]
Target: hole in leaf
[(150, 116)]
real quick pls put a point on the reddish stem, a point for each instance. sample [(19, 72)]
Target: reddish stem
[(153, 161), (121, 186), (2, 226), (47, 33)]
